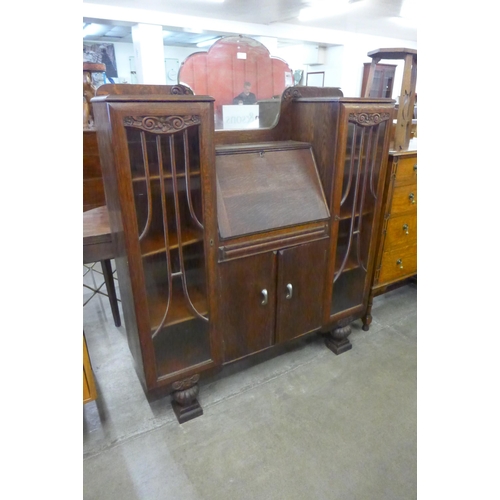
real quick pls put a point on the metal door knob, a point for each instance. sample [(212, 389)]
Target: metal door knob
[(412, 198), (264, 297), (399, 263), (289, 291), (405, 228)]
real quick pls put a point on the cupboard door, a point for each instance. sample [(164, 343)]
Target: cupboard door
[(247, 304), (301, 272), (165, 166)]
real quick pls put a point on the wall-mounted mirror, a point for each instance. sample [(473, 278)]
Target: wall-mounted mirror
[(243, 77)]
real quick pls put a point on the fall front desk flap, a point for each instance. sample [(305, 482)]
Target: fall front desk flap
[(267, 186)]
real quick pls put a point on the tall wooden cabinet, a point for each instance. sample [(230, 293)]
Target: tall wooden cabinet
[(383, 80), (231, 242), (396, 259), (350, 139), (158, 163)]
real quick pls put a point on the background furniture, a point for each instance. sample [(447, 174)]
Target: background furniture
[(406, 101), (97, 242), (93, 187), (89, 91), (98, 247), (396, 259), (89, 389), (383, 80)]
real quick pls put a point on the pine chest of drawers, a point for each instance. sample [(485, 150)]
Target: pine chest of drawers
[(396, 258)]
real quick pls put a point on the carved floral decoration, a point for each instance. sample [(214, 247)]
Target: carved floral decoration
[(161, 124), (368, 119)]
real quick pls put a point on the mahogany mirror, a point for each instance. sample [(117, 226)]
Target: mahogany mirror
[(243, 78)]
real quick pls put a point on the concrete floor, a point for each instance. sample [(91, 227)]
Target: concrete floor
[(306, 424)]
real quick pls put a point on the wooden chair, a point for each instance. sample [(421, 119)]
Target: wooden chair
[(98, 247)]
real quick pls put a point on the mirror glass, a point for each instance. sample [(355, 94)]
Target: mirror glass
[(243, 78)]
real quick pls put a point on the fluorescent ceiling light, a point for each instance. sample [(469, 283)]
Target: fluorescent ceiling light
[(408, 14), (408, 9), (206, 43), (323, 8), (91, 29), (195, 30), (404, 21)]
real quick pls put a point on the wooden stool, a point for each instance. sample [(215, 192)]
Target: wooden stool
[(407, 96), (98, 247)]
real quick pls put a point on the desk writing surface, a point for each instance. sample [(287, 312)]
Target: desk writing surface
[(268, 189)]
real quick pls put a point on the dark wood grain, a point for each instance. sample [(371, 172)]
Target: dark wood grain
[(93, 187), (97, 240), (300, 284), (273, 211), (246, 324), (145, 278)]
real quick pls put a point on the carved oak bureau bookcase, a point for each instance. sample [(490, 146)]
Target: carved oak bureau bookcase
[(232, 242)]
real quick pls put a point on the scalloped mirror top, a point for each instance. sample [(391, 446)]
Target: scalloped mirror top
[(243, 78)]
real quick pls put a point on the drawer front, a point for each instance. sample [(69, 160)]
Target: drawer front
[(404, 199), (398, 264), (401, 231), (406, 172)]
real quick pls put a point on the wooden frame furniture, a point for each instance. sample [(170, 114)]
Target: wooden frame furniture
[(232, 242), (406, 102), (383, 80), (98, 247), (89, 388), (396, 259)]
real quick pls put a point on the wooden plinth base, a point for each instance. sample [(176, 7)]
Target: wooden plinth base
[(185, 413), (337, 340), (338, 347), (184, 402)]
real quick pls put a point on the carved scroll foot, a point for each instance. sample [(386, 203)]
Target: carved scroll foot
[(337, 340), (184, 402), (367, 318)]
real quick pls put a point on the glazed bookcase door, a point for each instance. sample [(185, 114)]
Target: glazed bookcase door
[(164, 170), (358, 185)]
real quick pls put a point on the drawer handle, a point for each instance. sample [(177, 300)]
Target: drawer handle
[(412, 198), (405, 228), (264, 297), (289, 291), (415, 168), (399, 263)]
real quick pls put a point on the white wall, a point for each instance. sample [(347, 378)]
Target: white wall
[(124, 51), (343, 64), (354, 55)]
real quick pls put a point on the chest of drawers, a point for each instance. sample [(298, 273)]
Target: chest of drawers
[(396, 258)]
